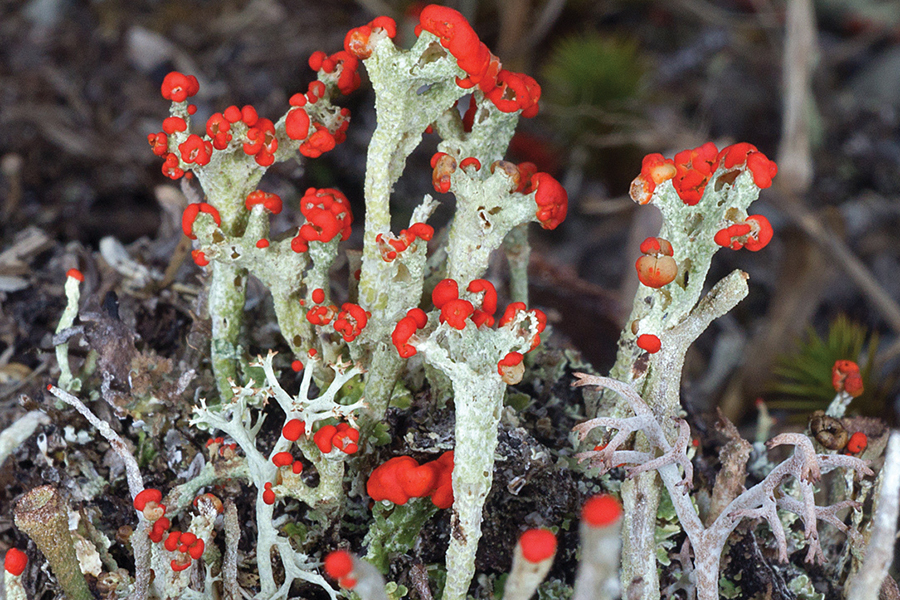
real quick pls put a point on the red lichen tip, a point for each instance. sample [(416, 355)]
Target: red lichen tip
[(178, 87), (145, 496), (282, 459), (338, 564), (857, 443), (649, 342), (601, 511), (656, 267), (445, 291), (293, 429), (15, 561), (180, 564), (538, 545), (551, 199), (75, 274), (845, 377), (270, 202)]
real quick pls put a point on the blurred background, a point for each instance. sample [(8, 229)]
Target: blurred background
[(814, 85)]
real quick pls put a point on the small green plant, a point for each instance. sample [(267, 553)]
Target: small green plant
[(802, 378)]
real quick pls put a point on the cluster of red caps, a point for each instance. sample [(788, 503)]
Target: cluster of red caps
[(328, 437), (551, 198), (457, 312), (402, 478), (508, 91), (186, 545), (753, 233), (691, 170), (218, 447), (392, 248), (187, 225), (327, 213), (351, 319), (149, 502), (845, 377), (259, 140)]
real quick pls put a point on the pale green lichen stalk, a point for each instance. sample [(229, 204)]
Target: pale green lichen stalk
[(73, 296), (703, 195)]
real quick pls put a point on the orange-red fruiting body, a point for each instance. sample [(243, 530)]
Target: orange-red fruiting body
[(351, 321), (489, 300), (282, 459), (471, 161), (753, 234), (418, 315), (403, 330), (551, 199), (356, 42), (649, 342), (455, 313), (190, 215), (445, 291), (296, 124), (323, 437), (510, 313), (321, 315), (195, 150), (327, 213), (657, 247), (656, 272), (159, 143), (345, 438), (857, 443), (268, 494), (180, 564), (510, 360), (845, 376), (270, 202), (160, 526), (537, 545), (693, 170), (199, 257), (75, 274), (654, 170), (601, 511), (338, 564), (172, 125), (178, 87), (145, 496), (293, 429), (15, 561), (402, 478), (443, 166)]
